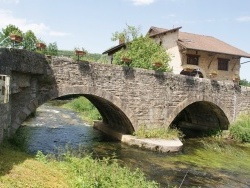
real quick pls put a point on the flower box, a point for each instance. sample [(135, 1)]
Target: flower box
[(158, 64), (80, 53), (16, 38), (40, 45)]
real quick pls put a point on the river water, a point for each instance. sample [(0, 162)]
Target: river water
[(55, 127)]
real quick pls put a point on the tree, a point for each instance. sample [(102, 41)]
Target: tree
[(10, 29), (52, 49), (244, 82), (30, 39), (144, 52), (128, 34)]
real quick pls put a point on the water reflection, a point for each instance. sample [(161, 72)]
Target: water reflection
[(54, 127)]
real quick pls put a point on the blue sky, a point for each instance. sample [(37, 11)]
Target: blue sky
[(90, 23)]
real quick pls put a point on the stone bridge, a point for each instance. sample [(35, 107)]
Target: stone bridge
[(126, 98)]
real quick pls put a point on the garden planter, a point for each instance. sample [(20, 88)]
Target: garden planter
[(80, 53), (41, 45), (16, 38), (158, 64)]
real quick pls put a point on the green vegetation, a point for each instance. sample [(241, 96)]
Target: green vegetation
[(29, 40), (244, 82), (216, 153), (164, 133), (19, 169), (90, 57), (143, 52), (85, 108), (240, 129)]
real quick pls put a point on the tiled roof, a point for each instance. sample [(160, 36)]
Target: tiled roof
[(201, 42), (114, 49), (209, 44)]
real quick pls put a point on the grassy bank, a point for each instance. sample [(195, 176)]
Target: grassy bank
[(240, 129), (19, 169), (85, 108)]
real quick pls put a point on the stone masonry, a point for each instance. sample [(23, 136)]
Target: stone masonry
[(126, 98)]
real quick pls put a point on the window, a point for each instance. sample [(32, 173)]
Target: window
[(193, 59), (223, 64)]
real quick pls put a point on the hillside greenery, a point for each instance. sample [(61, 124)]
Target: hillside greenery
[(244, 82)]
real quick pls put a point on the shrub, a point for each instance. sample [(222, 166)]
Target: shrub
[(240, 129), (86, 109), (163, 133)]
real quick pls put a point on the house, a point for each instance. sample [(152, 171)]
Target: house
[(198, 55)]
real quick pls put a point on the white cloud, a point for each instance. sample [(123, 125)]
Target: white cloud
[(7, 18), (58, 34), (9, 1), (143, 2), (243, 19)]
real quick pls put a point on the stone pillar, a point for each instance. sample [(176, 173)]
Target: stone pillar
[(5, 112)]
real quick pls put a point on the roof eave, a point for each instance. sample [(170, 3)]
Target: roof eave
[(240, 55)]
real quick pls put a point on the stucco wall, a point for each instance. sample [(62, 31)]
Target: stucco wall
[(209, 63)]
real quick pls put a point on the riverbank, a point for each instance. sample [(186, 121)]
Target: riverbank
[(19, 169)]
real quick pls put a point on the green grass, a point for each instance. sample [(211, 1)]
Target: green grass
[(85, 108), (163, 133), (18, 169), (240, 129), (217, 153)]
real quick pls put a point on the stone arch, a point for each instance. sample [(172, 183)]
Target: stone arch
[(113, 110), (215, 106)]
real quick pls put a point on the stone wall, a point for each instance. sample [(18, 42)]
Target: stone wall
[(147, 97), (5, 121)]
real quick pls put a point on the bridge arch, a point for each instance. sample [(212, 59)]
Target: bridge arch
[(113, 110), (200, 114)]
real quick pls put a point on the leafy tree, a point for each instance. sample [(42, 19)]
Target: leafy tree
[(128, 34), (244, 82), (29, 41), (10, 29), (52, 49), (144, 52)]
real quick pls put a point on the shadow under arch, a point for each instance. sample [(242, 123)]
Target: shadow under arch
[(195, 116), (113, 111)]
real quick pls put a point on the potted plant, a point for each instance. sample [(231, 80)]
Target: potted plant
[(79, 52), (213, 73), (16, 36), (188, 69), (236, 78), (40, 45)]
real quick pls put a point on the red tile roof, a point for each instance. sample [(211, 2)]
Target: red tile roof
[(200, 42)]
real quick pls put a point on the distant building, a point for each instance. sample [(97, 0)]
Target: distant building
[(196, 55)]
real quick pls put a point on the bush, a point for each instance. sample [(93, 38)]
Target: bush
[(163, 133), (240, 129), (86, 109)]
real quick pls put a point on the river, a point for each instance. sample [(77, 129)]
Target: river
[(53, 128)]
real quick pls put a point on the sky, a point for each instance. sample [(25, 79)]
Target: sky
[(90, 23)]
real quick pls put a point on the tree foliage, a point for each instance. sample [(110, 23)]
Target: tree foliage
[(128, 34), (10, 29), (144, 52), (29, 40), (244, 82)]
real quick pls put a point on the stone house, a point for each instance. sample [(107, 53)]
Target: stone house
[(196, 55)]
